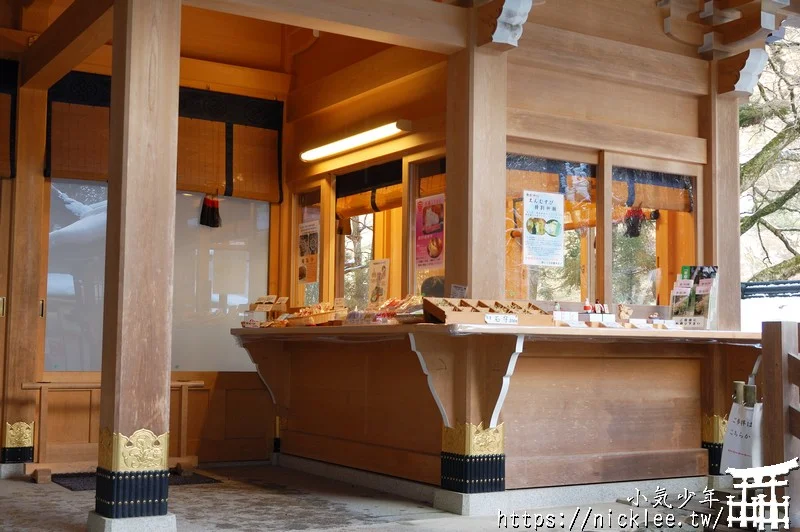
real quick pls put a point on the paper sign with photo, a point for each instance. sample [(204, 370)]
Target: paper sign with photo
[(429, 233), (308, 250), (543, 229)]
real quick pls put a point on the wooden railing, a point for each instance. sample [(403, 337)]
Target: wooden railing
[(780, 368), (42, 425)]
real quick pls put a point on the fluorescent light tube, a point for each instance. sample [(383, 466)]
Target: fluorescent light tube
[(356, 141)]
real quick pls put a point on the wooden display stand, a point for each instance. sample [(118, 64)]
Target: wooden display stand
[(480, 311)]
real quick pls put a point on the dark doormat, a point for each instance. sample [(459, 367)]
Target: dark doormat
[(87, 481)]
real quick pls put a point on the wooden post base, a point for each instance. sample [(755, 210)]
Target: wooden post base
[(42, 476)]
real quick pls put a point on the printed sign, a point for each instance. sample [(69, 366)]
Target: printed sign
[(543, 240), (378, 281), (501, 319), (308, 265), (458, 291), (429, 235)]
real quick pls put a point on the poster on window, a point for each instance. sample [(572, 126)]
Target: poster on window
[(543, 240), (308, 266), (429, 235), (378, 281)]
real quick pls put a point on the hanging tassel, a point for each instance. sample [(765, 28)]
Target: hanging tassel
[(205, 211), (209, 213), (216, 221), (633, 222)]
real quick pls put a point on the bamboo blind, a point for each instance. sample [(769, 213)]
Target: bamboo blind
[(5, 135), (386, 198), (79, 141), (431, 185), (646, 196), (255, 163), (201, 156)]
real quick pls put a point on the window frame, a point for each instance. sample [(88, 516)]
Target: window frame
[(610, 159)]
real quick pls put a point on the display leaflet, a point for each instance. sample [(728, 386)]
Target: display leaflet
[(308, 250), (543, 231), (378, 282), (429, 233)]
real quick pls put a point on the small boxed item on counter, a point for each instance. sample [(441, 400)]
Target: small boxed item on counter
[(479, 311), (315, 315), (410, 311), (269, 306), (249, 321)]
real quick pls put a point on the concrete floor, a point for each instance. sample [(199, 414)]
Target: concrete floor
[(252, 498)]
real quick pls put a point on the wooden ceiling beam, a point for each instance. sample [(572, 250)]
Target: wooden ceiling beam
[(738, 74), (80, 30), (419, 24), (13, 43)]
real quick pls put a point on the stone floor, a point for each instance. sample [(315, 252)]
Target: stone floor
[(254, 498), (249, 499)]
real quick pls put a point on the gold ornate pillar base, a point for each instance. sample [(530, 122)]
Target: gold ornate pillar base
[(132, 474), (473, 458), (713, 435), (17, 443)]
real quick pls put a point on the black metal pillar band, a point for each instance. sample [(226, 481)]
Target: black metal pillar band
[(131, 494), (473, 473), (16, 455), (714, 457)]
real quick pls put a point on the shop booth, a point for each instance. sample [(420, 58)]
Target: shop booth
[(477, 246)]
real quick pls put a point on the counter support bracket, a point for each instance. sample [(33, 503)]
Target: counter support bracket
[(430, 378), (501, 398), (469, 378)]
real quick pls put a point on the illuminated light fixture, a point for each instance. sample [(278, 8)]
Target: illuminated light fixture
[(356, 141)]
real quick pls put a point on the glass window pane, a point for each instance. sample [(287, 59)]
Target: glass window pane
[(75, 275), (428, 251), (576, 182), (358, 251), (653, 234), (310, 211), (218, 272)]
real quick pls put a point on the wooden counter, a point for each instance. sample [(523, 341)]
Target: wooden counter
[(532, 406), (588, 334)]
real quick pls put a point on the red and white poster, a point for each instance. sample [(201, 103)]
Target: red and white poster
[(429, 236)]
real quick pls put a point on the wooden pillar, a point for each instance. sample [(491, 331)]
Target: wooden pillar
[(137, 320), (605, 230), (6, 188), (715, 404), (476, 170), (25, 320), (780, 369), (469, 378), (719, 124)]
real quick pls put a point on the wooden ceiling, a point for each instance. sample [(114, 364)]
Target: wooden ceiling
[(205, 35)]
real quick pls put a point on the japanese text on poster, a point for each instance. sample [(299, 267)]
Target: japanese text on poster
[(378, 281), (429, 236), (308, 266), (543, 241)]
